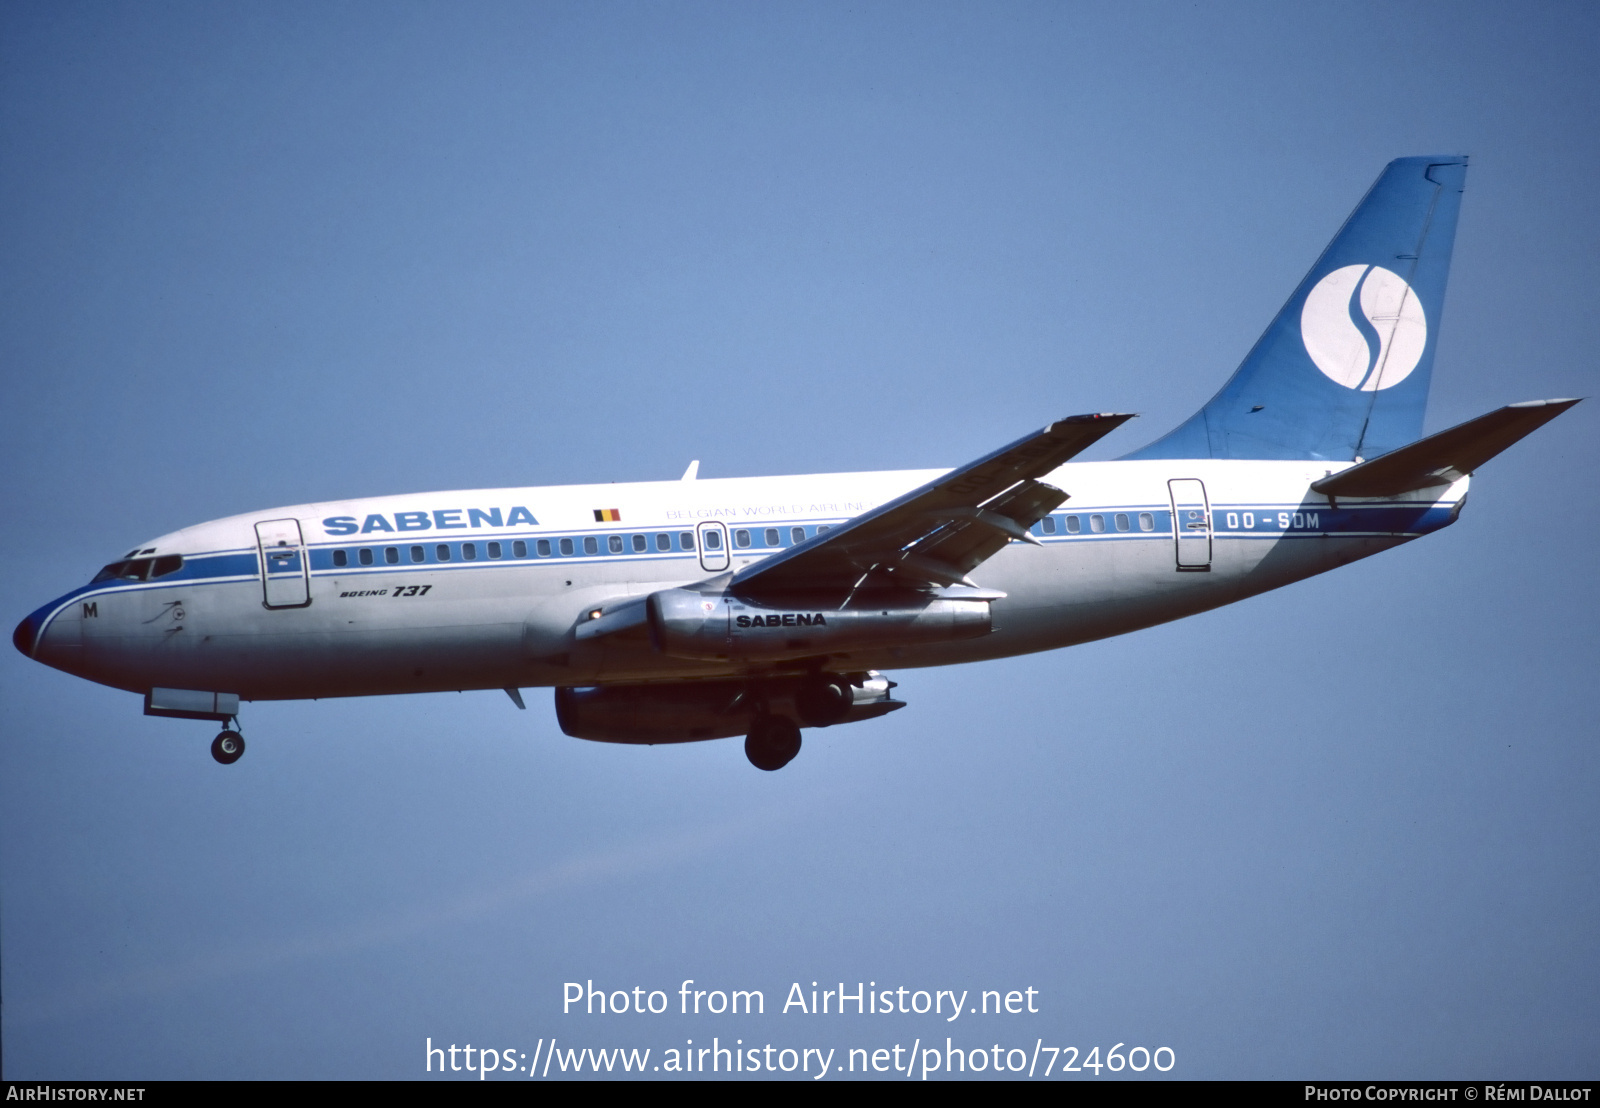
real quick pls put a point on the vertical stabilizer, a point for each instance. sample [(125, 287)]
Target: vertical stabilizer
[(1342, 373)]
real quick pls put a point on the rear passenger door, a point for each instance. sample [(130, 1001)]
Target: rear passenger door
[(285, 581), (1191, 523)]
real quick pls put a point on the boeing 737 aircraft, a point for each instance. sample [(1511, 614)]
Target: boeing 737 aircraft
[(674, 611)]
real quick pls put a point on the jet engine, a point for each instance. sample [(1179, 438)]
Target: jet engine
[(690, 711), (719, 627)]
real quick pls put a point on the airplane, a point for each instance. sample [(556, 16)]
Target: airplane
[(679, 611)]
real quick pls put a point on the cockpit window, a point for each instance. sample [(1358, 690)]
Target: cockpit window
[(140, 569)]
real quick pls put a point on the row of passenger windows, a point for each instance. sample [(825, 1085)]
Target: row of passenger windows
[(1097, 523), (770, 536), (469, 551), (567, 547)]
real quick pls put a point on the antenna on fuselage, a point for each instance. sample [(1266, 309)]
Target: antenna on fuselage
[(692, 472)]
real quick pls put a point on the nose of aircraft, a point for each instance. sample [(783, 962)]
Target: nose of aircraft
[(25, 635)]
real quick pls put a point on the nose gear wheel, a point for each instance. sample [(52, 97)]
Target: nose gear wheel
[(228, 747)]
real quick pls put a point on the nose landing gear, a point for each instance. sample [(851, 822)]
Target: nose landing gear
[(228, 747)]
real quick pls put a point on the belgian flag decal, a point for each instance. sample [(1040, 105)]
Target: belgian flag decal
[(607, 515)]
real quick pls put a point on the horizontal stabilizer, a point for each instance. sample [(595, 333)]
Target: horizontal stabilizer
[(1446, 457)]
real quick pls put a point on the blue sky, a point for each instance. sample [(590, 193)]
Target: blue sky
[(262, 255)]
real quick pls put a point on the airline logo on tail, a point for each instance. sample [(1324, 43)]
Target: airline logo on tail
[(1364, 327)]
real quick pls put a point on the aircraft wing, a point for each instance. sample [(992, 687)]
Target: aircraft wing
[(936, 534)]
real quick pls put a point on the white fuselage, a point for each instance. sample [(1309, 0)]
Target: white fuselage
[(483, 589)]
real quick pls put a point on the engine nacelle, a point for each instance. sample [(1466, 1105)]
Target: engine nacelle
[(694, 710), (713, 627)]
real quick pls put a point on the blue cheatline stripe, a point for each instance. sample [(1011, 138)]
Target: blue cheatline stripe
[(237, 562), (241, 565)]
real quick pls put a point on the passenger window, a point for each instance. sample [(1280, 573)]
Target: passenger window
[(797, 534), (741, 538), (713, 540), (615, 544), (418, 554), (663, 542), (365, 556), (469, 552), (1147, 522), (1048, 525), (442, 552), (686, 541), (566, 546), (639, 544), (1097, 524), (824, 527), (391, 554), (543, 548), (1122, 521), (340, 559), (1073, 526), (591, 545), (494, 550), (771, 536), (519, 549)]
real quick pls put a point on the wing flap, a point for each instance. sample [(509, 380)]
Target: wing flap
[(974, 535), (1446, 457)]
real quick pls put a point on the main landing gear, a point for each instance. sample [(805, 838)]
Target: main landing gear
[(228, 747), (825, 700), (821, 701), (772, 743)]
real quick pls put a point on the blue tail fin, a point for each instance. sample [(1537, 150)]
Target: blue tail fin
[(1342, 373)]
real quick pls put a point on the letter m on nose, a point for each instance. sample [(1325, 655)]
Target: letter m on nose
[(91, 611)]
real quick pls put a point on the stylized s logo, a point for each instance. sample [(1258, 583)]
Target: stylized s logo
[(1364, 327)]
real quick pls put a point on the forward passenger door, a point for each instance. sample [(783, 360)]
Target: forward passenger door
[(285, 580)]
